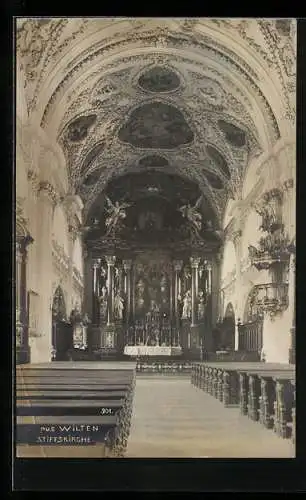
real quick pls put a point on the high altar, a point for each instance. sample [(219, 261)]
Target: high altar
[(150, 284)]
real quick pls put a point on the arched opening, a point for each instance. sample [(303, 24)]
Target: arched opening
[(61, 328), (228, 329)]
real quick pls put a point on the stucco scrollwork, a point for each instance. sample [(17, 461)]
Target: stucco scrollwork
[(47, 189)]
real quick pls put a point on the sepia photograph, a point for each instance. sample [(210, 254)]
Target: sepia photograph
[(155, 166)]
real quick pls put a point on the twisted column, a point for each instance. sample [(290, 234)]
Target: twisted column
[(110, 261)]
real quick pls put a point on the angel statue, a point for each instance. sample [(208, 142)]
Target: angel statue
[(193, 216), (116, 214)]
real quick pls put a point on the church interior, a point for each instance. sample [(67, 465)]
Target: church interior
[(155, 233)]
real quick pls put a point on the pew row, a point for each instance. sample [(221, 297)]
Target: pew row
[(77, 413), (265, 392)]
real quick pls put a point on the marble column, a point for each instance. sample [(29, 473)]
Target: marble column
[(72, 235), (238, 251), (194, 261), (110, 261), (88, 283), (21, 291), (127, 266), (178, 264), (208, 278), (95, 289), (120, 279)]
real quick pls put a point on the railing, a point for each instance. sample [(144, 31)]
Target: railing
[(272, 297), (250, 336)]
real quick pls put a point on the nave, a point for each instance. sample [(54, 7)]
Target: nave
[(105, 410), (155, 236)]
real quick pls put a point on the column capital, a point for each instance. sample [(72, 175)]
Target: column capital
[(178, 264), (22, 242), (208, 266), (110, 260), (96, 263), (195, 261), (48, 190), (127, 264)]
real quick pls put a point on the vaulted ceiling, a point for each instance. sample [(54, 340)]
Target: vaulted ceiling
[(195, 98)]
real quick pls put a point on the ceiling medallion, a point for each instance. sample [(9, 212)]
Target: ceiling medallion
[(78, 129), (156, 125), (159, 79), (234, 135)]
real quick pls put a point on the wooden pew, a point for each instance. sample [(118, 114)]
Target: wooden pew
[(40, 436), (251, 387), (264, 391), (220, 380), (284, 404), (57, 407), (74, 395)]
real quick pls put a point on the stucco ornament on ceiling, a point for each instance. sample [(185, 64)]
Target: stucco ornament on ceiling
[(116, 74)]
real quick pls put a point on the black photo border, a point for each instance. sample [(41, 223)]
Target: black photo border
[(168, 475)]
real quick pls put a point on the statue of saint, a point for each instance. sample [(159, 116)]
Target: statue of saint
[(140, 289), (187, 305), (76, 314), (193, 216), (116, 213), (118, 306), (103, 303), (201, 305)]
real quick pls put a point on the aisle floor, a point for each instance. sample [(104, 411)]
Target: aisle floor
[(172, 418)]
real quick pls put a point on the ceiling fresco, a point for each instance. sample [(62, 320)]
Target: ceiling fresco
[(185, 97), (156, 125), (159, 79)]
